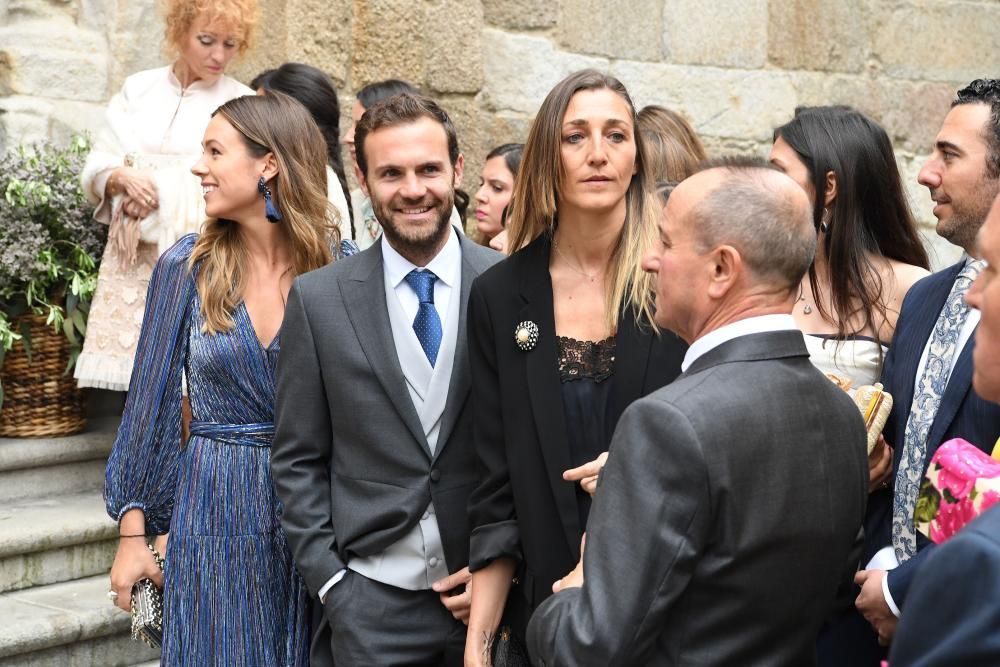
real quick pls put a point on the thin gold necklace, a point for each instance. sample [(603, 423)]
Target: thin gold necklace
[(577, 269)]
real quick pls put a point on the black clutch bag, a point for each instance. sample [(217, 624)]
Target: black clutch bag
[(506, 650), (147, 608)]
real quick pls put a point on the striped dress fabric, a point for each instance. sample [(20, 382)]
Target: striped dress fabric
[(231, 593)]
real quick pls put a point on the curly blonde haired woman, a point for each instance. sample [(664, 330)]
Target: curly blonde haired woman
[(215, 306), (138, 173)]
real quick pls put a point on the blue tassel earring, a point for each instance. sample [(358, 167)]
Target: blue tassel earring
[(271, 211)]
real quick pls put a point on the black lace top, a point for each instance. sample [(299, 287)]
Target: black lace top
[(586, 369)]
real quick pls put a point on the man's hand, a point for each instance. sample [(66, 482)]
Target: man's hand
[(457, 601), (587, 474), (575, 578), (872, 605), (880, 466)]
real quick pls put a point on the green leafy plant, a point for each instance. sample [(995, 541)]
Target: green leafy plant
[(50, 245)]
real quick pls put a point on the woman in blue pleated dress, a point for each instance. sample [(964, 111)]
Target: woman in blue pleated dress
[(215, 305)]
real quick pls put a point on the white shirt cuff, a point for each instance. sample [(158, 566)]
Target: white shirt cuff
[(340, 575), (885, 591)]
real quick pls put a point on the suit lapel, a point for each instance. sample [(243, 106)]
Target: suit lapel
[(461, 381), (959, 384), (544, 387), (916, 339), (364, 299), (924, 321), (632, 351)]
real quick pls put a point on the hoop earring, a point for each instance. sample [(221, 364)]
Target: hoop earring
[(271, 212), (824, 222)]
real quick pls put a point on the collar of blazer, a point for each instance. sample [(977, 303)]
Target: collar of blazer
[(363, 292), (632, 352), (752, 347), (921, 308)]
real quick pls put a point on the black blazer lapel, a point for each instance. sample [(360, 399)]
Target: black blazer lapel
[(461, 380), (544, 388), (632, 350), (364, 300)]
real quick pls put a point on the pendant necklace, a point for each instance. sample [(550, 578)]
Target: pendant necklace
[(576, 269)]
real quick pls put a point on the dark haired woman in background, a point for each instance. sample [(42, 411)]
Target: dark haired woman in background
[(315, 91), (496, 185), (868, 252), (868, 256), (561, 340)]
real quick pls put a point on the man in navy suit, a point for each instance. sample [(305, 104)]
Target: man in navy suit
[(952, 611), (928, 368)]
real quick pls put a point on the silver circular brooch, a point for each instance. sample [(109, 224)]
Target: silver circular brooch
[(526, 335)]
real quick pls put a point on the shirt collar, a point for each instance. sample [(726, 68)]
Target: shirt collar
[(445, 265), (200, 84), (726, 333)]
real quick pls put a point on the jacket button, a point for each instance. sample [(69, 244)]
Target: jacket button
[(435, 475)]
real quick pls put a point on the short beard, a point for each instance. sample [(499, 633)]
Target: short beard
[(963, 226), (420, 247)]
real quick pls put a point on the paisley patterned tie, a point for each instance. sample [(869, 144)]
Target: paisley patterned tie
[(926, 400), (427, 323)]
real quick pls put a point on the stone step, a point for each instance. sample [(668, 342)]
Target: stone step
[(70, 624), (47, 467), (48, 540)]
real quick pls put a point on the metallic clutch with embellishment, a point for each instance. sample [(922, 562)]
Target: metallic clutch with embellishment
[(147, 608)]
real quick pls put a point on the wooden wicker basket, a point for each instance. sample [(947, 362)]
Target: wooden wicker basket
[(40, 398)]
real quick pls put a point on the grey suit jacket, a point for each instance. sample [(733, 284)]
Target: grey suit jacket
[(723, 520), (350, 462)]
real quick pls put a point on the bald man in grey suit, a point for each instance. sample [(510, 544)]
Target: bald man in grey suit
[(732, 500)]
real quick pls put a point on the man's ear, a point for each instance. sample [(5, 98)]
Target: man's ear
[(362, 182), (459, 170), (727, 265)]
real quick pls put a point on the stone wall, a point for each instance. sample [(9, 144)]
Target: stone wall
[(734, 68)]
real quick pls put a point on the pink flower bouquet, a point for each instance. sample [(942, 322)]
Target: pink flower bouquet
[(961, 483)]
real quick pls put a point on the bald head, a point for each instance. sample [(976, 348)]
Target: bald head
[(757, 210)]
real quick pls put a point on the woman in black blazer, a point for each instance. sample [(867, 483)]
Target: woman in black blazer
[(560, 342)]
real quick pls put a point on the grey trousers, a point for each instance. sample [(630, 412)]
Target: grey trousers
[(367, 623)]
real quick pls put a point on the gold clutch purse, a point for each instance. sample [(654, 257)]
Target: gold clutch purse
[(875, 405)]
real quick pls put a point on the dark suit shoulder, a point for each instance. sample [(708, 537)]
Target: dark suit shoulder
[(480, 257)]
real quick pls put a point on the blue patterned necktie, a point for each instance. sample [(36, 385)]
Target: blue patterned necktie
[(926, 400), (427, 324)]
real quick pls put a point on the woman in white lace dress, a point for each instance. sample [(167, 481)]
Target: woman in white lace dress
[(868, 252), (139, 174)]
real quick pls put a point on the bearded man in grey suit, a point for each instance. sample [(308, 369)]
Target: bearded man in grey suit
[(733, 497), (372, 456)]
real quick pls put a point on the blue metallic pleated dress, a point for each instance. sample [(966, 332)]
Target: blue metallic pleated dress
[(231, 593)]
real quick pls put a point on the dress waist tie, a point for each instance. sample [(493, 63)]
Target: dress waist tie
[(251, 435)]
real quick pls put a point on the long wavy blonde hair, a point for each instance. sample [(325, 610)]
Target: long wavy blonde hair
[(534, 204), (275, 124)]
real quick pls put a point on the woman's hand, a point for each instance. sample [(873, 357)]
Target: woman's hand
[(879, 466), (133, 561), (138, 189)]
